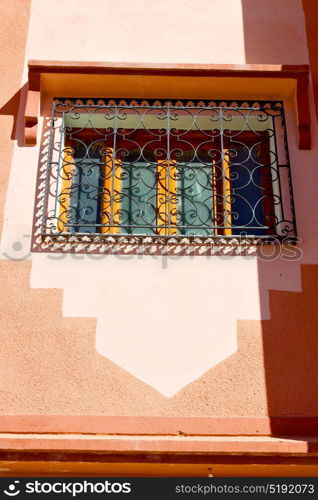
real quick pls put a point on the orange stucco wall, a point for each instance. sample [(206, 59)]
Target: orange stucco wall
[(13, 35), (51, 366), (55, 356)]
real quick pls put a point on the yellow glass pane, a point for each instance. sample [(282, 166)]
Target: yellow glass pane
[(64, 197), (167, 196), (227, 192), (111, 195)]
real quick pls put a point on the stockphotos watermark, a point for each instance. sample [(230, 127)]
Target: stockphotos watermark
[(272, 250), (159, 487), (70, 488)]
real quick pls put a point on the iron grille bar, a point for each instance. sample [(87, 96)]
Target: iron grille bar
[(167, 179), (113, 172), (169, 171), (47, 171)]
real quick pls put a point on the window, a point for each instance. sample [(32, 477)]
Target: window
[(168, 169)]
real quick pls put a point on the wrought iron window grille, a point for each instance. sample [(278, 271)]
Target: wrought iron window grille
[(178, 170)]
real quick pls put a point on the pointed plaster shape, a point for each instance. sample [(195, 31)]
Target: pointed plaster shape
[(165, 326)]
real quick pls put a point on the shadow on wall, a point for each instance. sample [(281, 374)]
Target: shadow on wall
[(273, 32), (14, 107), (311, 15), (290, 346)]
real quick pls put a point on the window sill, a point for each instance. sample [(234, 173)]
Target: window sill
[(105, 244)]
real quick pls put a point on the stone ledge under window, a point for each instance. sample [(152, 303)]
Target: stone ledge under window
[(156, 245)]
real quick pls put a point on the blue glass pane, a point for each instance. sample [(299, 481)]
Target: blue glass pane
[(247, 193)]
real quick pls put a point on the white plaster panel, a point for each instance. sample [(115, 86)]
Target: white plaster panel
[(166, 321)]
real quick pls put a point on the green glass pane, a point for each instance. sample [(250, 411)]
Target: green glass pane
[(84, 203), (195, 199), (138, 198)]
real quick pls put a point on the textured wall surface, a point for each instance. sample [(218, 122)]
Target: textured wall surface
[(13, 35), (82, 336)]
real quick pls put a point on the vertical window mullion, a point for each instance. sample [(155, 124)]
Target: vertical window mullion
[(105, 206), (167, 183), (112, 184), (226, 184), (59, 181)]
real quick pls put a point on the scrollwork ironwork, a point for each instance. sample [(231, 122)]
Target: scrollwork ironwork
[(167, 169)]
